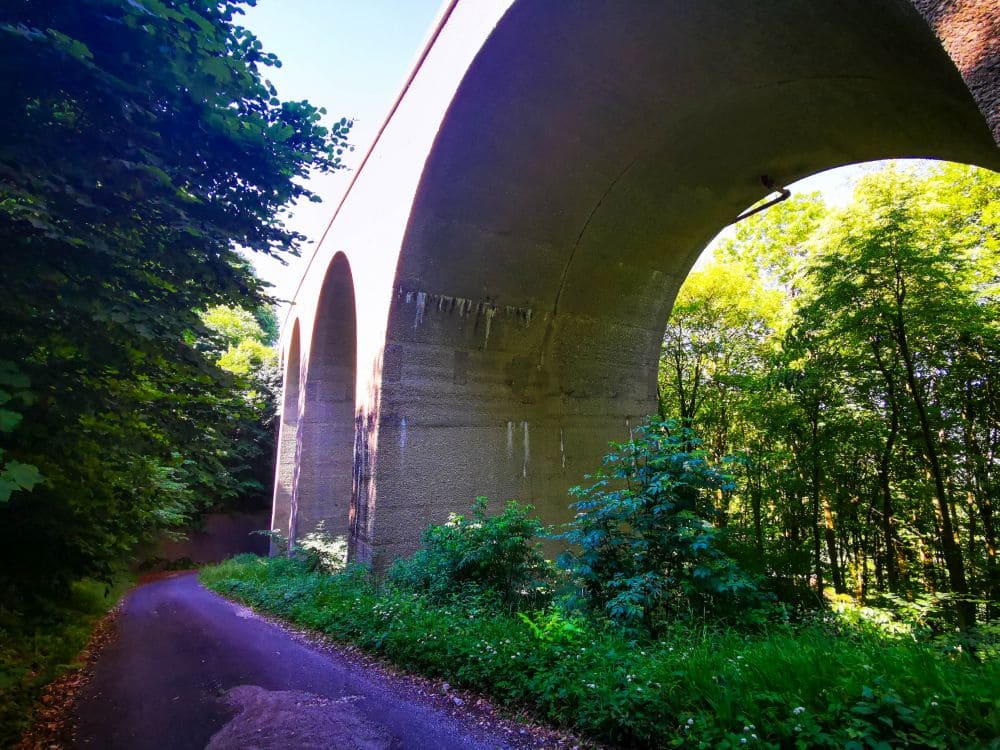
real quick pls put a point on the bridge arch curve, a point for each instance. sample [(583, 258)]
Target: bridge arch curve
[(557, 190), (322, 495)]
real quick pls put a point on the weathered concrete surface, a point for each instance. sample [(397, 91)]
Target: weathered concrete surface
[(287, 464), (292, 718), (189, 669), (547, 180)]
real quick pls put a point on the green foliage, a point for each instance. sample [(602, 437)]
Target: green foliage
[(847, 358), (644, 545), (38, 645), (482, 554), (142, 149), (235, 326), (723, 329), (777, 243), (238, 343), (14, 394), (318, 550), (825, 683)]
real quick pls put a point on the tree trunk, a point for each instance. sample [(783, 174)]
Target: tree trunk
[(949, 543), (980, 495), (756, 488), (817, 546), (831, 548), (884, 466)]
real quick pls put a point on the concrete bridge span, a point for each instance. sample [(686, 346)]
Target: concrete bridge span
[(485, 310)]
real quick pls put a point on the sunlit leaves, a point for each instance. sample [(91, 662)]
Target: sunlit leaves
[(880, 350)]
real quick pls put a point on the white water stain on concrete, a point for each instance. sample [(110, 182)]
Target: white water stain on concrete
[(421, 305), (464, 306), (510, 440), (490, 312), (402, 434), (562, 448), (527, 450)]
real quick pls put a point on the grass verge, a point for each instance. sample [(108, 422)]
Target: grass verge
[(827, 683), (38, 647)]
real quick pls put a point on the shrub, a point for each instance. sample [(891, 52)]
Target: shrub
[(482, 555), (644, 543), (321, 551)]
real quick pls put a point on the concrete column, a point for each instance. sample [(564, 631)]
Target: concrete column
[(286, 465)]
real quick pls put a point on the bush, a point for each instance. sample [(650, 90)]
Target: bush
[(645, 547), (321, 551), (482, 555)]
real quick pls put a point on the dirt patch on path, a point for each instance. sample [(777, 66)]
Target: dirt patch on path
[(295, 720)]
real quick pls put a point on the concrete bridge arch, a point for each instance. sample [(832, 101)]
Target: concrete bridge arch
[(537, 196)]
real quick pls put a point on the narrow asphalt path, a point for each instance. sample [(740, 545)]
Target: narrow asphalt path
[(190, 669)]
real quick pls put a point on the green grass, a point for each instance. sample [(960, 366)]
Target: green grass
[(823, 684), (37, 648)]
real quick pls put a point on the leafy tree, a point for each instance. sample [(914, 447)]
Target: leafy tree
[(141, 147), (644, 542), (252, 361), (893, 284), (721, 331), (777, 243), (865, 416)]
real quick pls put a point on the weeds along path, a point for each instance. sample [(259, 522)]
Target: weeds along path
[(190, 669)]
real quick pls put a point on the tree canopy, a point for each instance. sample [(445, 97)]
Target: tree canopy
[(848, 359), (142, 147)]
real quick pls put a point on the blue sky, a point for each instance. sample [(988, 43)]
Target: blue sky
[(350, 56)]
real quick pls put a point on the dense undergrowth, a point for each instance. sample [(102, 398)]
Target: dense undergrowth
[(828, 681), (38, 646)]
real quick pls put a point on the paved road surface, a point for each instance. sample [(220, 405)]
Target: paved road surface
[(190, 669)]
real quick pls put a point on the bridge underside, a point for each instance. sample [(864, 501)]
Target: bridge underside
[(590, 152)]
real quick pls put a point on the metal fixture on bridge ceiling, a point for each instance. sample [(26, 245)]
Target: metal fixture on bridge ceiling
[(783, 194)]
